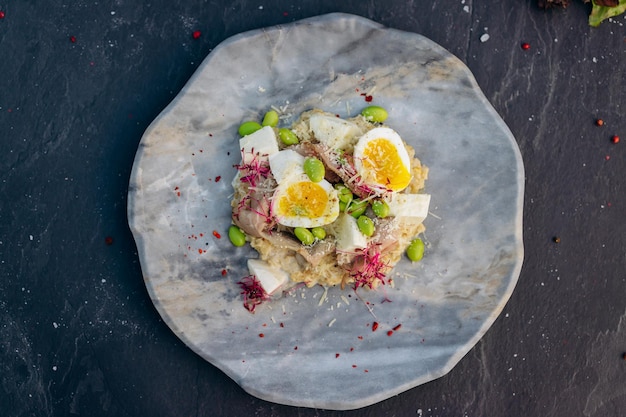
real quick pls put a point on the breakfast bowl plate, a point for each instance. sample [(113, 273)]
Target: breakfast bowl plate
[(320, 347)]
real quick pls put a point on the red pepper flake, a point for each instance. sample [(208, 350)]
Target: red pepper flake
[(261, 335), (224, 272), (390, 332), (599, 122), (177, 189), (336, 355), (374, 326), (607, 157), (200, 251), (73, 39), (2, 14), (365, 370), (295, 348), (525, 46), (556, 239), (108, 240), (615, 139), (369, 98), (216, 234), (196, 34), (354, 366), (218, 178), (360, 337), (282, 324), (395, 329), (351, 349)]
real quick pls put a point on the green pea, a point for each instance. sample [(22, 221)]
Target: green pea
[(356, 208), (344, 193), (366, 225), (287, 136), (319, 233), (374, 114), (270, 118), (415, 250), (380, 208), (304, 235), (236, 235), (314, 169), (247, 128)]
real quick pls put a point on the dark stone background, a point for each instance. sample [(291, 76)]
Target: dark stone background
[(78, 332)]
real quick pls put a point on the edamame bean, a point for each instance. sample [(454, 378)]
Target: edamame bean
[(314, 169), (236, 235), (380, 208), (319, 233), (304, 235), (270, 118), (287, 136), (374, 114), (415, 250), (366, 225), (344, 193), (247, 128), (356, 208)]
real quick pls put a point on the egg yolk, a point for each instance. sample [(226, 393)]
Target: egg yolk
[(384, 166), (303, 199)]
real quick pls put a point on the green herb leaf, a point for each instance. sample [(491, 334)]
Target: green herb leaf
[(600, 13)]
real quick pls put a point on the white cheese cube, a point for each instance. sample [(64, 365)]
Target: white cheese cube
[(349, 237), (409, 207), (286, 163), (332, 131), (261, 143), (271, 279)]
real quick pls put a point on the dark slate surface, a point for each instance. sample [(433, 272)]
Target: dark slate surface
[(78, 333)]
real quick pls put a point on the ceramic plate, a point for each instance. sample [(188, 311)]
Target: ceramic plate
[(314, 348)]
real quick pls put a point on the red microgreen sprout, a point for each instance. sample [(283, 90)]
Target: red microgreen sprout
[(369, 268), (253, 171), (252, 291)]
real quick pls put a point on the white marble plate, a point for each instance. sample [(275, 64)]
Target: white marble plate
[(313, 354)]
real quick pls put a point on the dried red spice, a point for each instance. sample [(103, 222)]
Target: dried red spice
[(196, 34), (395, 329), (218, 178), (599, 122), (224, 272), (336, 355), (374, 326), (216, 234), (390, 332), (261, 335), (525, 46), (2, 14), (615, 139), (73, 39), (369, 98)]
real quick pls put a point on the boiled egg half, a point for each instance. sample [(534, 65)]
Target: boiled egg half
[(381, 159), (298, 201)]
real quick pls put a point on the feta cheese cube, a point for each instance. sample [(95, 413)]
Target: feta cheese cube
[(261, 143), (270, 278), (286, 163), (332, 131), (349, 237), (409, 207)]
